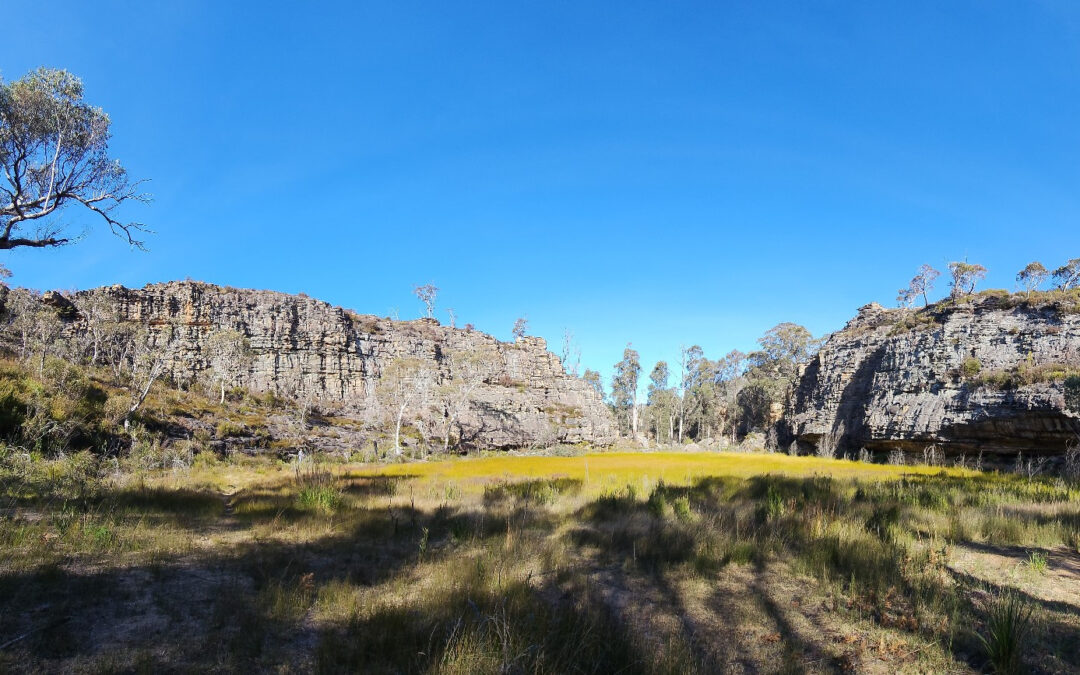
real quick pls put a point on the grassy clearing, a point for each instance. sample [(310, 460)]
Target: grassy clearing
[(636, 563), (600, 472)]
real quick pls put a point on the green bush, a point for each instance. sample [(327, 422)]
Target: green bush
[(970, 367), (229, 429)]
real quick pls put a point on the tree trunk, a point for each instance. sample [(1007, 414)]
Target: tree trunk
[(446, 437), (155, 371), (222, 401), (397, 431)]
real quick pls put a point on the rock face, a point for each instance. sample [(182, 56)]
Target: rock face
[(988, 373), (301, 346)]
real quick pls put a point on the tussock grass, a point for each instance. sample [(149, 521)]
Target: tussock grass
[(1008, 627)]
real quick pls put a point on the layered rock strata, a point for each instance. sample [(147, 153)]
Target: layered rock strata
[(993, 373), (299, 346)]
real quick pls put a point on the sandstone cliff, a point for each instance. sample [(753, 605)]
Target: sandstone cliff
[(992, 373), (301, 346)]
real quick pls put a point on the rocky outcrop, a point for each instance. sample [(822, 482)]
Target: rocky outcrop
[(988, 373), (298, 346)]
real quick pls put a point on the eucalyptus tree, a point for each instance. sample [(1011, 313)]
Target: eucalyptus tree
[(689, 372), (1068, 275), (965, 276), (54, 151), (661, 401), (921, 284), (427, 294), (594, 380), (624, 386), (1032, 276), (521, 326), (771, 371)]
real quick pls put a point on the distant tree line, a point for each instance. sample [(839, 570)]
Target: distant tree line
[(701, 398)]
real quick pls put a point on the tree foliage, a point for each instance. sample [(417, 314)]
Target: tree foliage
[(624, 384), (54, 149), (593, 379), (921, 284), (965, 276), (427, 294), (783, 348), (1032, 276), (1068, 275), (521, 326)]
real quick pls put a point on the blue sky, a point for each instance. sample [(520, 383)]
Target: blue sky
[(655, 173)]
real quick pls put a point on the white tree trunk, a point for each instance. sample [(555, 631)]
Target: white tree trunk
[(397, 429)]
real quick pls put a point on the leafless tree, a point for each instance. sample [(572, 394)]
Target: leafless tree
[(521, 325), (427, 294), (453, 317), (571, 353), (403, 384), (149, 355), (230, 356), (36, 325), (100, 319), (920, 284), (468, 370)]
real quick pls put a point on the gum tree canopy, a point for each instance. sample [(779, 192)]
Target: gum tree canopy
[(54, 149)]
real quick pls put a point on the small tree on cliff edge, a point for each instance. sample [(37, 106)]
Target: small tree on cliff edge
[(921, 284), (427, 294), (54, 149), (1032, 276), (1068, 275), (520, 326), (965, 276)]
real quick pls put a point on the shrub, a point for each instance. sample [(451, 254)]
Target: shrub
[(681, 506), (229, 429), (970, 367)]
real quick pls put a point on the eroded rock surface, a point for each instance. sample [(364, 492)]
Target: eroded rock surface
[(299, 345), (984, 374)]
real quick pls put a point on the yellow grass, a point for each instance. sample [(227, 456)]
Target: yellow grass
[(600, 472)]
